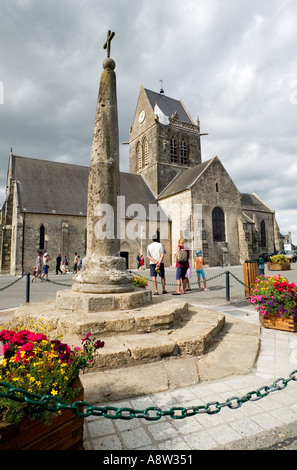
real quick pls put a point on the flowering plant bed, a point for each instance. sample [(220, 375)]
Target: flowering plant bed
[(31, 361), (278, 323), (65, 432), (279, 263), (140, 281), (274, 298)]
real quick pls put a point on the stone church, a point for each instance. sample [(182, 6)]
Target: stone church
[(168, 189)]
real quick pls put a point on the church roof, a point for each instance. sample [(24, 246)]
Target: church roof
[(184, 180), (48, 187), (252, 202), (168, 106)]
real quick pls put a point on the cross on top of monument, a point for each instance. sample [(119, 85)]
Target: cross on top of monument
[(107, 45)]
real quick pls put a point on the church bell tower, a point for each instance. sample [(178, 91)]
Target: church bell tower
[(163, 140)]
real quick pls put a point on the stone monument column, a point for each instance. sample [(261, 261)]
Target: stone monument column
[(103, 270)]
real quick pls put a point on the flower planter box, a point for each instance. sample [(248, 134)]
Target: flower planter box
[(276, 323), (279, 267), (64, 433)]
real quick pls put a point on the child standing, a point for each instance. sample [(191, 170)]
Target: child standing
[(34, 274), (199, 262)]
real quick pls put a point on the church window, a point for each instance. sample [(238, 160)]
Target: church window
[(173, 150), (218, 225), (217, 187), (41, 237), (183, 152), (139, 155), (146, 152), (263, 234)]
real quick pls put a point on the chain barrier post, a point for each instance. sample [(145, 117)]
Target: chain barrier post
[(27, 288), (227, 286)]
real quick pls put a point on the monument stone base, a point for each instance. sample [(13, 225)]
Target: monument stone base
[(69, 300), (103, 275)]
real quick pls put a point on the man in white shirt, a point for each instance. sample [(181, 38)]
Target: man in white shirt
[(155, 253)]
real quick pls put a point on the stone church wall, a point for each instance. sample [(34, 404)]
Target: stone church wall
[(64, 235), (179, 210), (269, 220), (138, 245), (215, 189)]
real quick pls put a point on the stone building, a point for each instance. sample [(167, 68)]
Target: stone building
[(199, 197), (168, 189)]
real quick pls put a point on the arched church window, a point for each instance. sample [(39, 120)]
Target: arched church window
[(146, 152), (263, 234), (173, 150), (41, 237), (139, 155), (183, 152), (218, 225)]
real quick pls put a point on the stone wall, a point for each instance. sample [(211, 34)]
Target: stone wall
[(138, 245), (66, 235), (214, 189), (271, 242), (179, 210)]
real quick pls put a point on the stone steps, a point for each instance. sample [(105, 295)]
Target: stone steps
[(191, 334), (233, 351), (162, 329), (165, 344)]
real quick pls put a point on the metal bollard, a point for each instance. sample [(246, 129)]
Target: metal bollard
[(27, 288), (227, 286)]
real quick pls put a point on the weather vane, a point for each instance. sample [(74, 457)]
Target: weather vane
[(107, 45)]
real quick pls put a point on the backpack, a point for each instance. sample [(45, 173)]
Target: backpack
[(182, 256)]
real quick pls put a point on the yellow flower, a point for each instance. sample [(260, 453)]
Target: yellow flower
[(54, 392)]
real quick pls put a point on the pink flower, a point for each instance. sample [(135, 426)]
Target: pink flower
[(36, 337), (86, 338)]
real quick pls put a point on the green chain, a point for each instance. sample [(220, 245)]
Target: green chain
[(57, 283), (12, 283), (207, 279), (151, 413)]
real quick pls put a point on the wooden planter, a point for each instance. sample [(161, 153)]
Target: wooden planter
[(65, 432), (279, 267), (276, 323)]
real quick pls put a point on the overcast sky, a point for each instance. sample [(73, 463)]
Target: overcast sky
[(233, 63)]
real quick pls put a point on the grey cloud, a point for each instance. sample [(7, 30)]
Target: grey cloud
[(230, 62)]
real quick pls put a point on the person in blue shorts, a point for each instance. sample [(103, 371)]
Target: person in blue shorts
[(181, 268), (155, 253), (46, 260), (199, 263)]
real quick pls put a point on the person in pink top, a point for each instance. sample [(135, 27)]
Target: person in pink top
[(182, 264)]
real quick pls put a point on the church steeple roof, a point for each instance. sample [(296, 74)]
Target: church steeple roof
[(169, 106)]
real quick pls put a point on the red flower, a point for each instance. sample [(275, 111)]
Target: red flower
[(35, 337)]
